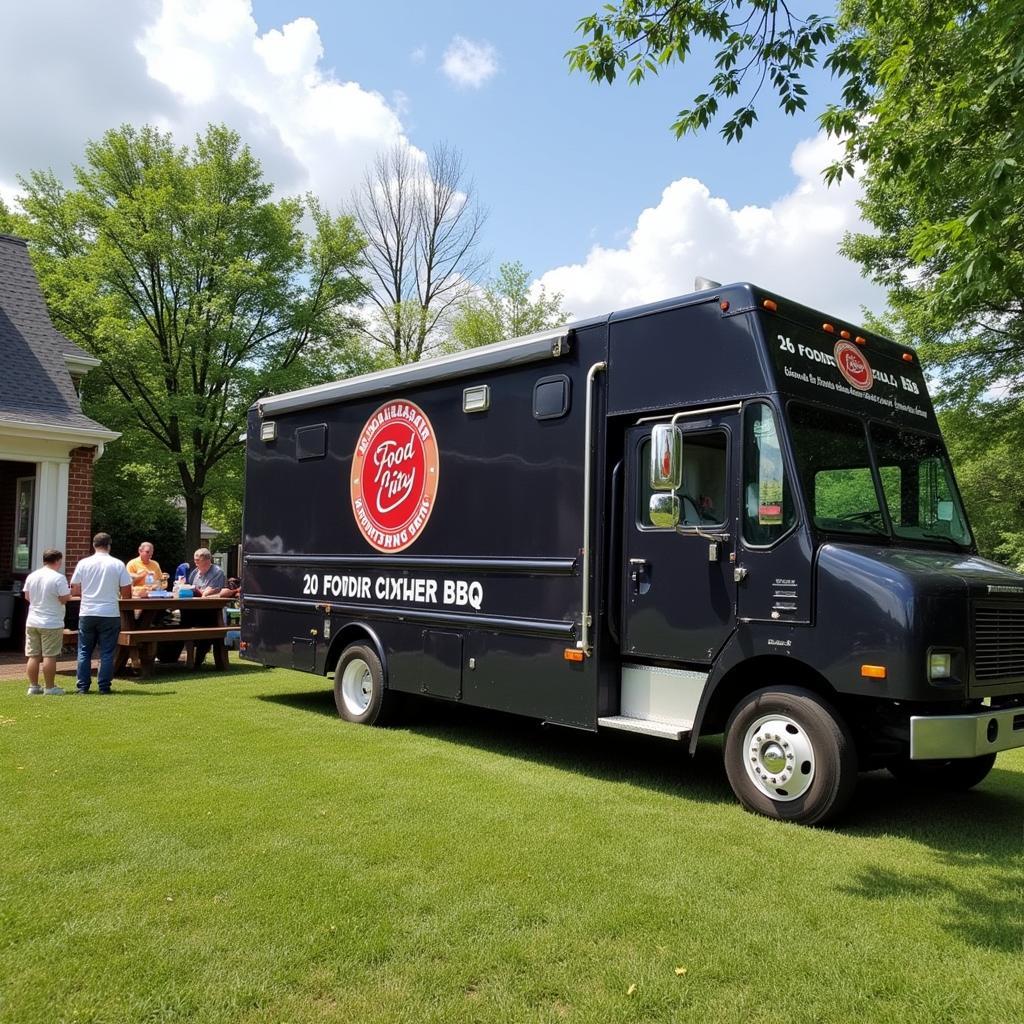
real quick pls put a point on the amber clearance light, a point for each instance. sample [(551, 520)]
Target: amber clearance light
[(873, 671), (770, 304)]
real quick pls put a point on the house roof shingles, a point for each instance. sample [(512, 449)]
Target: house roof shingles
[(35, 384)]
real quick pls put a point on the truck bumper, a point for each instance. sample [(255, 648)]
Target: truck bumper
[(935, 737)]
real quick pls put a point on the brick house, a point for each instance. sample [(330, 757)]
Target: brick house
[(47, 445)]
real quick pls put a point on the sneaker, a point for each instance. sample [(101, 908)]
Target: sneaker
[(81, 693), (54, 691), (106, 693), (33, 690)]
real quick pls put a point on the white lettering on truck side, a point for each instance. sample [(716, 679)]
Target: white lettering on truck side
[(399, 589)]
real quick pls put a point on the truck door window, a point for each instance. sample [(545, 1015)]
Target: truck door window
[(702, 496), (768, 510), (835, 466)]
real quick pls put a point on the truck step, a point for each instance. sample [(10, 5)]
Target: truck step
[(647, 726)]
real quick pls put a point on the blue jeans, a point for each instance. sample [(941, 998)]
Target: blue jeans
[(93, 629)]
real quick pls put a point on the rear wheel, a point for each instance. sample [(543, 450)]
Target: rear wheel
[(789, 755), (359, 692), (943, 776)]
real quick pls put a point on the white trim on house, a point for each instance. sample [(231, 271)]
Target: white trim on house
[(79, 436), (80, 365)]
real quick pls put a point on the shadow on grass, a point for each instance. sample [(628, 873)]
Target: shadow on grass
[(976, 837), (979, 829), (882, 806)]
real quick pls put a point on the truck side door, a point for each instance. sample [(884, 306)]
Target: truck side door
[(679, 594)]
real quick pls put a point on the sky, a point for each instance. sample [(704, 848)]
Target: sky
[(585, 184)]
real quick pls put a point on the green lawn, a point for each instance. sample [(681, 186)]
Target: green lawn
[(209, 848)]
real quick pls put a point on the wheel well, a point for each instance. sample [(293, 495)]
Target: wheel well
[(753, 675), (354, 633)]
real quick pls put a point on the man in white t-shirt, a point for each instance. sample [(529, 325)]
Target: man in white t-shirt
[(46, 591), (99, 580)]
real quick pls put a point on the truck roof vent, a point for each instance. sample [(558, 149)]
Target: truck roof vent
[(703, 284)]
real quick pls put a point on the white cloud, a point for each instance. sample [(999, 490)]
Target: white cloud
[(80, 69), (788, 247), (469, 64)]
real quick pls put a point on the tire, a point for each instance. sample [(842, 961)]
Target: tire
[(951, 776), (359, 691), (799, 737)]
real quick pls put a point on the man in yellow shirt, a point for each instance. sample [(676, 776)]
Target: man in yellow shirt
[(139, 568)]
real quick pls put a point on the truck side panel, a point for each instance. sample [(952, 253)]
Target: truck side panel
[(495, 571)]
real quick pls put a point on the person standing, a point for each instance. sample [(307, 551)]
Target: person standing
[(99, 580), (145, 566), (46, 591)]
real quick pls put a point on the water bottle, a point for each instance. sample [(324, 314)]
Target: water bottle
[(149, 581)]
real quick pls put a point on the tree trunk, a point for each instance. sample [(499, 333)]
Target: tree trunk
[(193, 523)]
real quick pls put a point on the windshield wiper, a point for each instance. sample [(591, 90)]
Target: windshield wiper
[(942, 536)]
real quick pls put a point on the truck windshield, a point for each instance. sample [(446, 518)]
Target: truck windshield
[(836, 455)]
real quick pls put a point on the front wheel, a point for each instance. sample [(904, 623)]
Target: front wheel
[(950, 776), (359, 692), (789, 755)]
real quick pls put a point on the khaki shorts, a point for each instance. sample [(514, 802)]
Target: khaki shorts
[(44, 643)]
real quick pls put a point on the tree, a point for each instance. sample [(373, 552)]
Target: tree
[(198, 292), (8, 222), (422, 224), (759, 41), (931, 94), (504, 309), (930, 119)]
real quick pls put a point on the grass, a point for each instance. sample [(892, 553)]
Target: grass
[(224, 849)]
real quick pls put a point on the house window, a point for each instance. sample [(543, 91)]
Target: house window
[(24, 513)]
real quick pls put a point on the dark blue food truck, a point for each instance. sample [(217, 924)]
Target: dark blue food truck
[(721, 513)]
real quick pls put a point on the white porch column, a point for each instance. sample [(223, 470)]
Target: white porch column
[(50, 526)]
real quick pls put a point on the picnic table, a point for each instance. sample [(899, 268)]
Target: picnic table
[(202, 628)]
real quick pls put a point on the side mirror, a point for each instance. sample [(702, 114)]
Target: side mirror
[(664, 510), (666, 457)]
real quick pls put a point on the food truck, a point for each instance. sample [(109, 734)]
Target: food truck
[(722, 513)]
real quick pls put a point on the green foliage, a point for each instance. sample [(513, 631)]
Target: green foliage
[(759, 41), (8, 221), (504, 309), (985, 443), (198, 291), (943, 186)]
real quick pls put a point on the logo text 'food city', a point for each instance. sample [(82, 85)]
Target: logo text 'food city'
[(394, 476)]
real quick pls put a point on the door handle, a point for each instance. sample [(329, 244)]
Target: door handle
[(638, 574)]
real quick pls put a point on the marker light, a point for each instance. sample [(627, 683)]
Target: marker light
[(908, 357), (940, 666), (573, 654), (724, 306), (830, 328), (770, 304), (873, 671), (860, 340), (845, 335)]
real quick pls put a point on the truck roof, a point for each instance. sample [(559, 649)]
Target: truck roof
[(549, 344)]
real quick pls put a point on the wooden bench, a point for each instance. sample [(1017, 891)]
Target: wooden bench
[(140, 644)]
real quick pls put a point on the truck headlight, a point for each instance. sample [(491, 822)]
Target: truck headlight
[(940, 666)]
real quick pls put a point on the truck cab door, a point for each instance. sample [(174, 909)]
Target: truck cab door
[(679, 592)]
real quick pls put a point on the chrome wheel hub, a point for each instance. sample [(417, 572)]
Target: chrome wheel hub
[(779, 757), (356, 686)]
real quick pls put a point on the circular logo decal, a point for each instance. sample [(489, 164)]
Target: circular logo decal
[(853, 365), (394, 475)]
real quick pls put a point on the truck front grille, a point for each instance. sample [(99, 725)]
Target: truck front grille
[(998, 643)]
